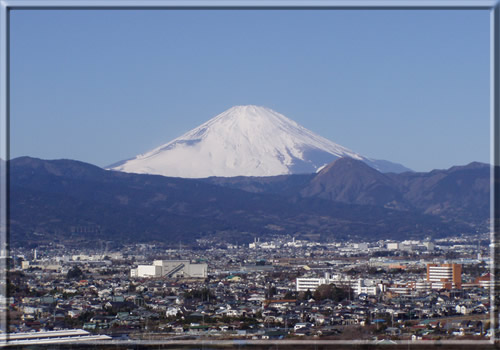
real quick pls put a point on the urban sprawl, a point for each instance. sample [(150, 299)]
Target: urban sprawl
[(281, 288)]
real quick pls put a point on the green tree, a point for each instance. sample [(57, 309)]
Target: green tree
[(331, 291), (203, 294), (270, 292), (74, 273)]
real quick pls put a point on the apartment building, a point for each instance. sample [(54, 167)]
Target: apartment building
[(444, 276)]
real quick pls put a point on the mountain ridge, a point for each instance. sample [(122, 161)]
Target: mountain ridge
[(48, 199)]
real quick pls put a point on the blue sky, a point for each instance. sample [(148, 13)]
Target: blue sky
[(409, 86)]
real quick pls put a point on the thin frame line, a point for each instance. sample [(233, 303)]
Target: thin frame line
[(257, 4), (4, 157), (495, 170)]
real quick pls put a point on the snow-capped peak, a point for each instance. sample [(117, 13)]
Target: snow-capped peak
[(244, 140)]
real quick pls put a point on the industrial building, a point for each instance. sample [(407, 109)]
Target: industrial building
[(171, 269)]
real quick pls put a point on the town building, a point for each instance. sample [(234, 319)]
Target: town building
[(358, 286), (171, 269), (50, 337), (393, 246), (444, 276)]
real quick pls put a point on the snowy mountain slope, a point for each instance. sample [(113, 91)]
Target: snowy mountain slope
[(245, 140)]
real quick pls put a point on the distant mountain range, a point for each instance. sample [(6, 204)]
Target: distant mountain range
[(245, 141), (460, 193), (70, 201)]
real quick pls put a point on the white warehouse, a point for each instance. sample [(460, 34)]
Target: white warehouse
[(171, 269)]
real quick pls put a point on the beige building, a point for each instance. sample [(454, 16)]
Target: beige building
[(444, 276)]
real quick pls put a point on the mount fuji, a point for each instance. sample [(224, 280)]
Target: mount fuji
[(245, 141)]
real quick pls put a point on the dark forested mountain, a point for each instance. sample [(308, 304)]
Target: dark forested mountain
[(62, 200), (349, 180), (461, 193)]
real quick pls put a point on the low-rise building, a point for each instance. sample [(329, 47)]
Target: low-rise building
[(171, 269)]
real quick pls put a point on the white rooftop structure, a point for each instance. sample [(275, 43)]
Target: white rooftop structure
[(50, 337), (171, 269)]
